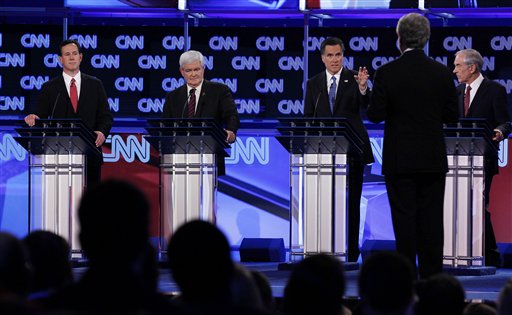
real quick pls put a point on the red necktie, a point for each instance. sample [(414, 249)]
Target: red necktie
[(73, 94), (192, 103), (466, 100)]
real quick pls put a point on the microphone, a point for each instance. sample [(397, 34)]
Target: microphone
[(55, 105), (316, 103), (192, 91)]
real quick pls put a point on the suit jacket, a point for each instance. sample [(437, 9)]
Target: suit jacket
[(349, 102), (415, 95), (215, 102), (489, 102), (93, 109)]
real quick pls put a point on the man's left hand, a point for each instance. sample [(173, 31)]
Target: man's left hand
[(100, 138), (362, 78), (498, 135)]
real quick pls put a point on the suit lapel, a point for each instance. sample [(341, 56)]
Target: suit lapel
[(342, 86), (64, 94), (461, 89), (84, 88), (478, 98), (200, 102), (323, 102)]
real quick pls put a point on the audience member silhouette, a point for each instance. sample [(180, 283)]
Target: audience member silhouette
[(49, 256), (200, 261), (244, 291), (14, 268), (316, 286), (114, 233), (504, 302), (386, 284), (265, 290), (442, 294), (479, 309)]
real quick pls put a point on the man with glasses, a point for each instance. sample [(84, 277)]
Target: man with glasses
[(341, 92), (202, 98)]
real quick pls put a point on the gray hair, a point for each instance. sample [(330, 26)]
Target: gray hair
[(472, 57), (190, 57), (413, 30)]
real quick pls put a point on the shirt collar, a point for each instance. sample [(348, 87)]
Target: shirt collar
[(67, 78), (476, 84)]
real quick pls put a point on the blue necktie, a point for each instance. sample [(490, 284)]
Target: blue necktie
[(332, 93)]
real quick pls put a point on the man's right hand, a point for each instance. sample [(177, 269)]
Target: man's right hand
[(31, 119)]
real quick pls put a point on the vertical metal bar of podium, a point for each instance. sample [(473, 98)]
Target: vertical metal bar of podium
[(57, 194), (455, 232), (469, 241), (290, 188), (317, 197), (70, 199)]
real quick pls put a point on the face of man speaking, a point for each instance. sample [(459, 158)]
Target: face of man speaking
[(193, 73), (332, 58)]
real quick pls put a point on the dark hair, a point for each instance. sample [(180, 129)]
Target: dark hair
[(189, 247), (440, 294), (49, 255), (316, 286), (386, 282), (331, 41), (114, 221), (68, 42)]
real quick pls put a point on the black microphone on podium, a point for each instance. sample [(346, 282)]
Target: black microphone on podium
[(192, 91), (55, 105), (316, 103)]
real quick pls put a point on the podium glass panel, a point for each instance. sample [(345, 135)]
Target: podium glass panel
[(189, 186), (464, 212), (56, 185)]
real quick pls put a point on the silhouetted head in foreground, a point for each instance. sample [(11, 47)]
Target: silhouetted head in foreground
[(386, 284), (114, 219), (49, 255), (200, 260), (14, 268), (316, 286)]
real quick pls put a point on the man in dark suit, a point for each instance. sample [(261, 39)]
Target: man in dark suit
[(415, 95), (487, 99), (202, 98), (76, 95), (348, 95)]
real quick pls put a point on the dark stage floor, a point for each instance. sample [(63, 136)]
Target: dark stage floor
[(477, 287), (484, 288)]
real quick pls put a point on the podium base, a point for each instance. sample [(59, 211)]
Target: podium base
[(79, 262), (470, 270), (288, 266)]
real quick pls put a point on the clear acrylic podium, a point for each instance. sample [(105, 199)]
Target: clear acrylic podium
[(188, 148), (319, 151), (58, 153), (467, 143)]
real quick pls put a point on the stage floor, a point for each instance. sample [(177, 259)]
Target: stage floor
[(477, 288)]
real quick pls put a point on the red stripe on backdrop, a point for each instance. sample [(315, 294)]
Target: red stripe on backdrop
[(501, 202)]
